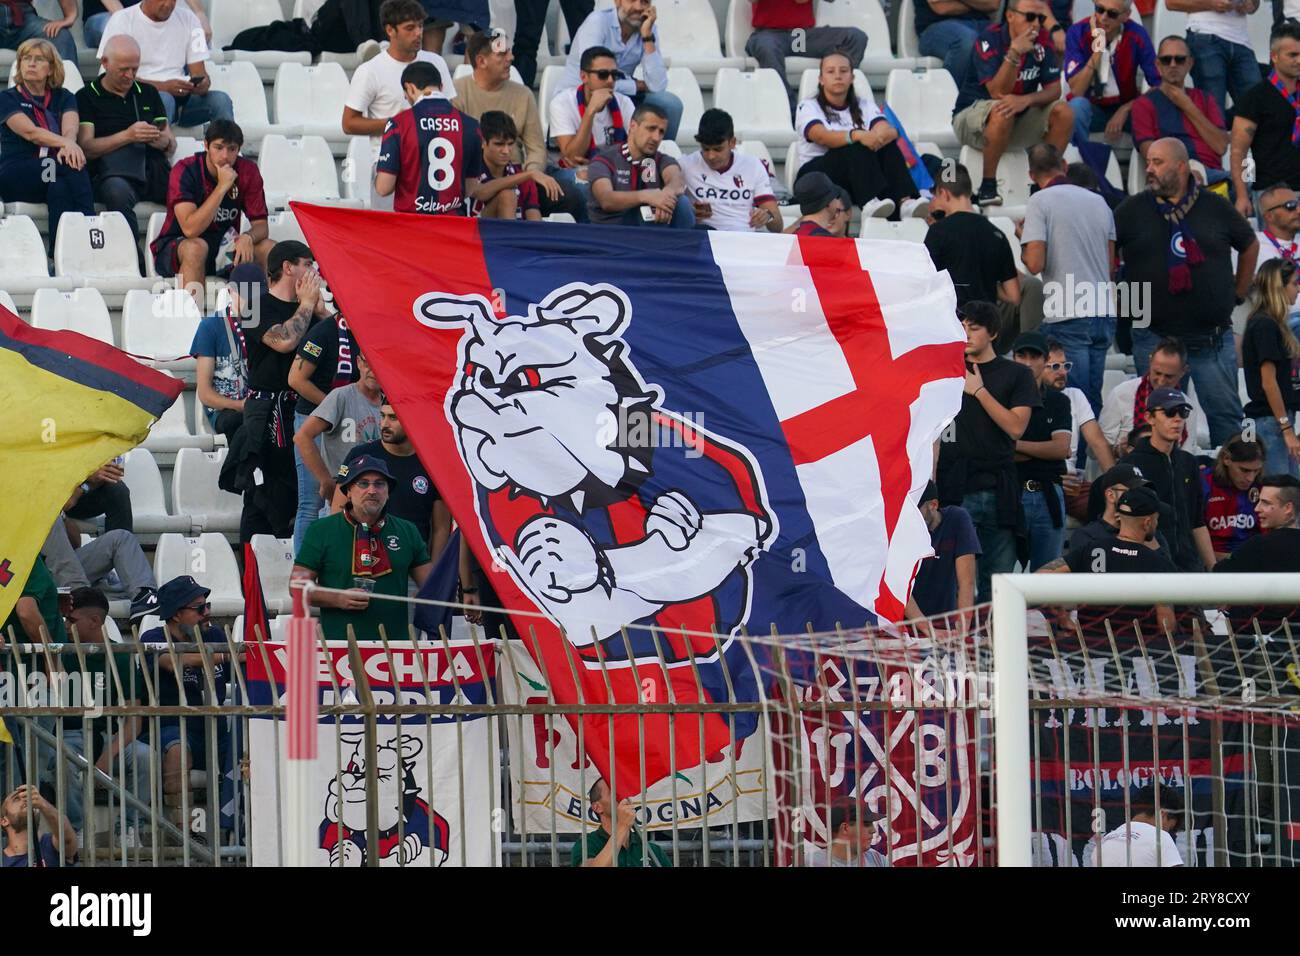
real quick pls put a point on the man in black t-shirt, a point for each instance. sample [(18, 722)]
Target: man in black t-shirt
[(1176, 240), (975, 252), (1130, 551), (1040, 458), (290, 303), (412, 494), (1265, 122), (976, 466)]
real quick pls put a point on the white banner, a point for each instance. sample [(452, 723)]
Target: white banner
[(437, 778), (550, 782)]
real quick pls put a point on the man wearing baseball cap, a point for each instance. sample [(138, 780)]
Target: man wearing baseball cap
[(1175, 478), (1126, 552), (363, 555), (183, 607), (824, 208), (1104, 502)]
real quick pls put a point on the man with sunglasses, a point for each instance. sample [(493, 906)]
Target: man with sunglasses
[(628, 31), (1170, 108), (1103, 54), (588, 117), (1126, 403), (183, 607), (1011, 97), (1175, 477), (1280, 212), (361, 551)]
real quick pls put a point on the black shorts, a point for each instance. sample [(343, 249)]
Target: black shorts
[(168, 261)]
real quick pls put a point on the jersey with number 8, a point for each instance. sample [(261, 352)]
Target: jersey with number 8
[(434, 150)]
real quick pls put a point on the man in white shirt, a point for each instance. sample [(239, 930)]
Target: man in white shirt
[(1220, 42), (173, 51), (730, 191), (628, 31), (1143, 842), (375, 95), (586, 118), (1279, 210), (1168, 367)]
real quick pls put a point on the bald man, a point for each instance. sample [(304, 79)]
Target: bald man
[(124, 133), (1177, 239)]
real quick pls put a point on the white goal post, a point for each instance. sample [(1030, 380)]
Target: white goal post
[(1012, 596)]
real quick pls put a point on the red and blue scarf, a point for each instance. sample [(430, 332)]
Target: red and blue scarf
[(618, 134), (1294, 99), (1182, 251)]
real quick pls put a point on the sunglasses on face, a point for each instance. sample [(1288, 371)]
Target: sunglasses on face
[(1039, 18), (1180, 411), (1103, 12), (1170, 59), (366, 485), (603, 75), (200, 608), (1291, 205), (1060, 366)]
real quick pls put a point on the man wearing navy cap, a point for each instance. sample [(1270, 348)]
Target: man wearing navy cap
[(1175, 478), (183, 606), (362, 551)]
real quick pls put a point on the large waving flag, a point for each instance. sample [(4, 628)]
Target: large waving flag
[(70, 404), (653, 437)]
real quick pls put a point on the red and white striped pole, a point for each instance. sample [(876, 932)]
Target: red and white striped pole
[(301, 713)]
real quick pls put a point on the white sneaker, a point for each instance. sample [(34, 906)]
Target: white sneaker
[(878, 209), (916, 208)]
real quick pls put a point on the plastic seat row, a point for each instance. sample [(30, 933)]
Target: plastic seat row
[(198, 504)]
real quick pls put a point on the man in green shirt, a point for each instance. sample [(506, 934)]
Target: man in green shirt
[(363, 551), (627, 848)]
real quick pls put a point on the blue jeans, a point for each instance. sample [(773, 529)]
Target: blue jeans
[(683, 216), (1044, 540), (568, 178), (33, 179), (1212, 361), (1277, 459), (952, 42), (1091, 118), (669, 103), (1221, 68), (93, 29), (1086, 343), (310, 503), (33, 26), (198, 109), (998, 544), (134, 757)]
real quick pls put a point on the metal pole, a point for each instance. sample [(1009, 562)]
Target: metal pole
[(301, 704), (1011, 722)]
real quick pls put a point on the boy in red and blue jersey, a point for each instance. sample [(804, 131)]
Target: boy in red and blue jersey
[(430, 155), (1229, 489)]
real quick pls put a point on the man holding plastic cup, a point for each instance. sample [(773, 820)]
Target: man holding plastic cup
[(363, 556)]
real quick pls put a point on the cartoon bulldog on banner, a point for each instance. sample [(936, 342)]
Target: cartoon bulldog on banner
[(607, 509)]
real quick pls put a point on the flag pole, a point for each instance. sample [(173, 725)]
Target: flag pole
[(301, 713)]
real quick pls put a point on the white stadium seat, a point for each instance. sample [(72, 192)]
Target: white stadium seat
[(1113, 175), (37, 212), (754, 147), (359, 168), (81, 310), (7, 301), (306, 9), (688, 32), (100, 251), (150, 234), (757, 103), (682, 82), (905, 230), (808, 85), (23, 266), (171, 432), (907, 44), (868, 16), (148, 501), (552, 78), (309, 100), (209, 559), (466, 70), (160, 327), (284, 225), (195, 491), (229, 18), (240, 80), (72, 80), (923, 103), (186, 146), (298, 168), (274, 563), (791, 167), (1012, 176), (671, 148)]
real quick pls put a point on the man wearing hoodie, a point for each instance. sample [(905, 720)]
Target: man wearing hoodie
[(1175, 478)]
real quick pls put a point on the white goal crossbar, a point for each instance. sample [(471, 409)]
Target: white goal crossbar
[(1012, 596)]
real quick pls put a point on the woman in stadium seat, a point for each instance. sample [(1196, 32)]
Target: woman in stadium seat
[(850, 140), (40, 161), (1270, 359)]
